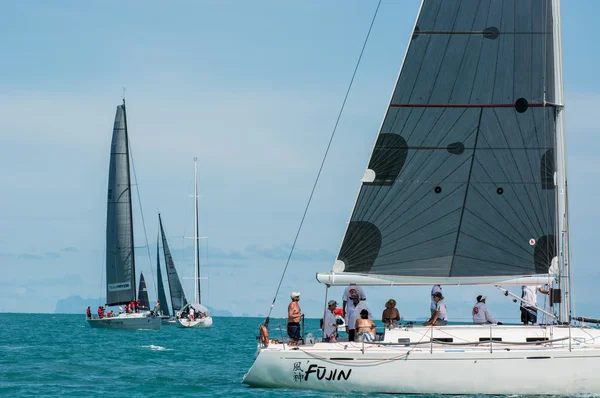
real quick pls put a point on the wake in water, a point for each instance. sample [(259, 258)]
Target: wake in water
[(157, 348)]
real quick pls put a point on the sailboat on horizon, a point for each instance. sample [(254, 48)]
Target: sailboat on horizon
[(120, 256), (176, 292), (466, 185), (194, 314)]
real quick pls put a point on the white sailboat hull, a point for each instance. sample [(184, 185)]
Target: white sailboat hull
[(137, 321), (522, 369), (205, 322)]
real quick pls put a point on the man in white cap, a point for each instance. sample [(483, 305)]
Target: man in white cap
[(329, 323), (294, 315), (355, 314), (481, 313), (348, 304)]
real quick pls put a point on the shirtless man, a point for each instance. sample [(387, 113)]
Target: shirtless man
[(294, 315)]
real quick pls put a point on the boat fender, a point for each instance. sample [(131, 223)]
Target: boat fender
[(264, 335)]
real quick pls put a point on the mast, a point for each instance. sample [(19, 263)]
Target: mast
[(130, 203), (564, 254), (197, 297)]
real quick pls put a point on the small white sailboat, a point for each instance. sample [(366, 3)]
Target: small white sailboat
[(120, 257), (195, 315), (466, 184)]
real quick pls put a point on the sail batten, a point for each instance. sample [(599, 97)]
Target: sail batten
[(461, 178)]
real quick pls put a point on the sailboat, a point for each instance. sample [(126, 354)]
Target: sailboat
[(195, 315), (163, 310), (178, 300), (120, 257), (143, 295), (466, 185)]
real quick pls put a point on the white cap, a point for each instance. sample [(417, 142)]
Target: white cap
[(295, 294)]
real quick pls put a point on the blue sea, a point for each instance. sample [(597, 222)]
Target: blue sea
[(60, 355)]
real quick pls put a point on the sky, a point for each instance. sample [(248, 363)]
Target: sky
[(253, 90)]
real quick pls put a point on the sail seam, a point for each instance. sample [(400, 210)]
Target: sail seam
[(466, 194), (472, 32), (530, 105)]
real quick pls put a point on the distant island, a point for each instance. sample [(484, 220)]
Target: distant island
[(77, 305)]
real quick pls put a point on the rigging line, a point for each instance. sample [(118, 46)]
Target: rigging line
[(137, 189), (324, 158)]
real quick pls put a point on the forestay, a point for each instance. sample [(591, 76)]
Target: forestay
[(461, 181)]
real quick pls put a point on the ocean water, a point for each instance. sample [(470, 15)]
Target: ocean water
[(60, 355)]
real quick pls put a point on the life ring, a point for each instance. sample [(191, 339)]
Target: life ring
[(264, 335)]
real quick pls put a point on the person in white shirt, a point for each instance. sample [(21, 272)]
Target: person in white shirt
[(529, 303), (481, 313), (434, 289), (347, 304), (329, 323), (440, 316), (355, 314)]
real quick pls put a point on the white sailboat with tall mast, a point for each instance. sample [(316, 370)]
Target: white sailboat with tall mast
[(466, 184), (195, 315), (120, 256)]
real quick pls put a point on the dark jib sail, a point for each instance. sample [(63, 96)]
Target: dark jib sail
[(178, 300), (461, 181), (120, 265), (143, 295), (164, 306)]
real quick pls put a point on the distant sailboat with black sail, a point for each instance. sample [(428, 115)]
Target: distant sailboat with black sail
[(195, 315), (163, 308), (466, 185), (143, 295), (176, 292), (120, 256)]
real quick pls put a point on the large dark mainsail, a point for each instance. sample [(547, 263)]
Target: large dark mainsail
[(143, 294), (178, 300), (120, 259), (164, 307), (461, 181)]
